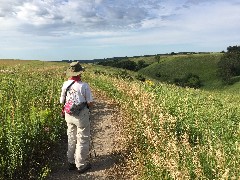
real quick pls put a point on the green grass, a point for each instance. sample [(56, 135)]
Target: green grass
[(177, 133), (30, 123), (171, 67), (171, 132)]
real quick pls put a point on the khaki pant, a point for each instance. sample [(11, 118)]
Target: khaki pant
[(78, 137)]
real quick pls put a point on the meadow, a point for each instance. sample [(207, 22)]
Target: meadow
[(177, 66), (176, 133), (30, 125), (170, 132)]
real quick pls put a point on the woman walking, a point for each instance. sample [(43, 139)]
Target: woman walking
[(77, 97)]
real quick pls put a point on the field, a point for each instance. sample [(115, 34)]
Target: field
[(29, 112), (170, 132), (177, 133), (171, 67)]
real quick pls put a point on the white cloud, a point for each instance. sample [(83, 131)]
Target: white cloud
[(100, 15), (80, 15), (78, 23)]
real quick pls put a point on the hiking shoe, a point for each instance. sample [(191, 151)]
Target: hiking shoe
[(71, 166), (83, 169)]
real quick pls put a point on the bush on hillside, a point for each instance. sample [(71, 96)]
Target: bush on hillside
[(124, 75), (140, 77), (189, 80), (229, 65), (157, 58), (141, 64), (158, 74), (129, 65)]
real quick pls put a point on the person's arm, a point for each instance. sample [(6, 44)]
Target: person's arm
[(62, 97), (88, 96)]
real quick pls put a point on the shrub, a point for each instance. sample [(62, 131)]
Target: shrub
[(124, 75), (140, 77), (141, 64), (229, 65), (158, 74), (189, 80), (124, 64)]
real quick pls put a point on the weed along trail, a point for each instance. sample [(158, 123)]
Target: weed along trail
[(105, 145)]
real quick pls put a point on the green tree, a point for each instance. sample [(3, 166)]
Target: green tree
[(126, 64), (229, 64), (141, 64), (157, 58), (189, 80), (232, 49), (140, 77)]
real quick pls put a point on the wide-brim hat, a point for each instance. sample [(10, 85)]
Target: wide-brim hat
[(74, 69)]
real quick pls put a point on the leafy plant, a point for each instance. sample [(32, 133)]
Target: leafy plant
[(176, 133), (140, 77), (229, 65), (30, 124), (189, 80)]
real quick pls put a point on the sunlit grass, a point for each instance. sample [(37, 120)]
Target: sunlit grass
[(170, 132), (30, 124), (176, 133)]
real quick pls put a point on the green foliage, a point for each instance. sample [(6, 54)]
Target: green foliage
[(171, 68), (124, 64), (172, 132), (30, 124), (157, 58), (232, 49), (147, 59), (229, 65), (140, 77), (130, 65), (158, 74), (141, 64), (189, 80), (123, 74), (177, 133), (99, 72)]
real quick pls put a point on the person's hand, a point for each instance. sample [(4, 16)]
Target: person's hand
[(90, 104)]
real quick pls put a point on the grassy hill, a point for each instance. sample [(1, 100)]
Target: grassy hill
[(169, 132), (171, 67)]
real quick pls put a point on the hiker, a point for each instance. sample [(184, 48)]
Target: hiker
[(77, 97)]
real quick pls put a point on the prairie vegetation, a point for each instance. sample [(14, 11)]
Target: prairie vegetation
[(30, 124), (176, 133), (170, 132)]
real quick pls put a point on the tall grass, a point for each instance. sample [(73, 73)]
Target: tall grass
[(29, 118), (171, 132), (176, 133)]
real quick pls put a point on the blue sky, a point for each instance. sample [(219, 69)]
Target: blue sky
[(91, 29)]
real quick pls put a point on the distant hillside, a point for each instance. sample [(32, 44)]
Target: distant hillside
[(172, 67)]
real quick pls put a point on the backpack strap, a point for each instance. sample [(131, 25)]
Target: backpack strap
[(67, 91)]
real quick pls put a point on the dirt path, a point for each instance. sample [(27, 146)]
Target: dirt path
[(105, 137)]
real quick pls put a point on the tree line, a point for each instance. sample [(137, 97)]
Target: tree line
[(229, 65), (125, 64)]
